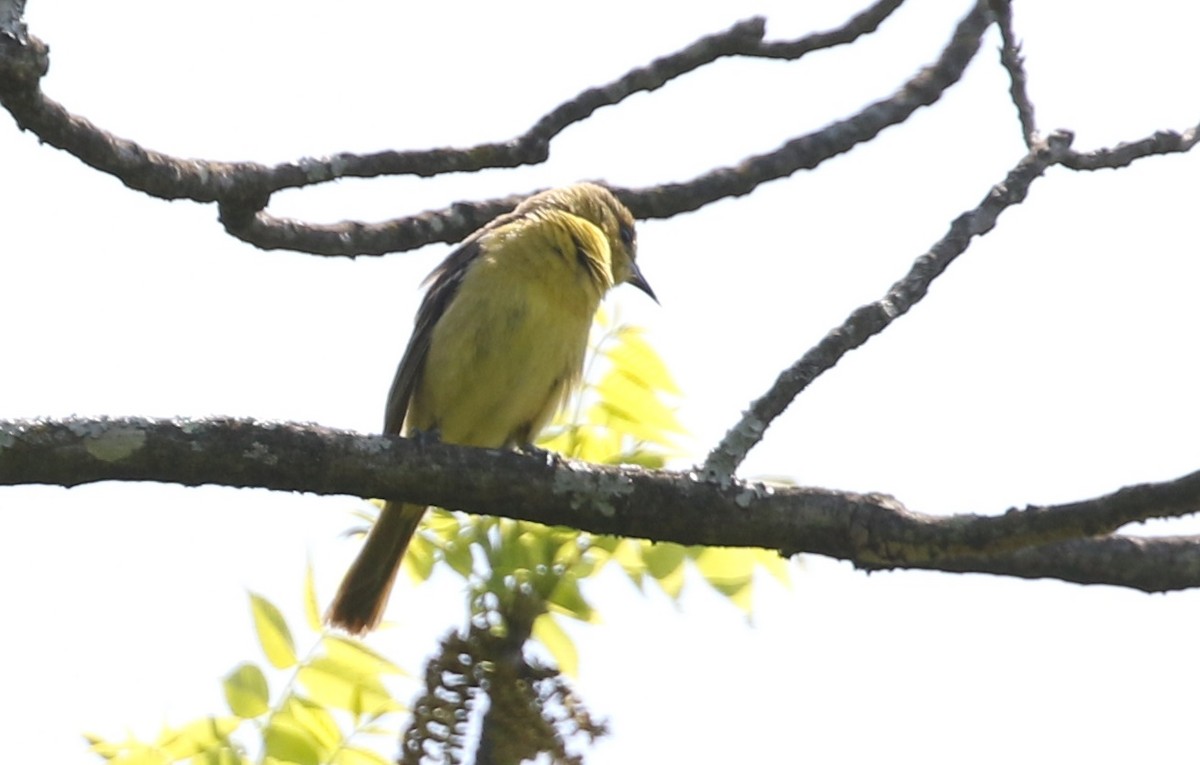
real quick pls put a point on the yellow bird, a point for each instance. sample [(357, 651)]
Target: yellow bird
[(497, 348)]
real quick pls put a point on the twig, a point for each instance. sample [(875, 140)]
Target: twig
[(869, 320), (11, 25), (1014, 63), (1126, 153), (808, 151), (862, 24)]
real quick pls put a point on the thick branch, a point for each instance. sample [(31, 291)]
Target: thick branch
[(873, 531)]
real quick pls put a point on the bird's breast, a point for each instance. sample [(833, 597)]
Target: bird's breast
[(505, 354)]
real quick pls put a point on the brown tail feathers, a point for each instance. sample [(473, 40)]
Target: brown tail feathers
[(359, 603)]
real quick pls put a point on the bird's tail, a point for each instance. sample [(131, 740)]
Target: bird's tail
[(360, 600)]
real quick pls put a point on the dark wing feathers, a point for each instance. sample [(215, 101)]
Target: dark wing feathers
[(443, 286)]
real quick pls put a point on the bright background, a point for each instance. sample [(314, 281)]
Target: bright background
[(1054, 361)]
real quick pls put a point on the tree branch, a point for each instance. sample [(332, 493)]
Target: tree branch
[(11, 12), (862, 24), (243, 189), (1149, 564), (873, 531), (1128, 152), (1074, 542), (869, 320), (808, 151), (1014, 64)]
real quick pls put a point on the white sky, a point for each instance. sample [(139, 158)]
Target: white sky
[(1054, 361)]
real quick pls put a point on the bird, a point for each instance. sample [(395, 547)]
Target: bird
[(497, 348)]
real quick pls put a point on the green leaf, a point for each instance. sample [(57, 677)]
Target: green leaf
[(664, 562), (102, 746), (776, 565), (419, 558), (314, 720), (629, 423), (638, 404), (273, 633), (283, 740), (442, 524), (566, 598), (629, 556), (128, 752), (246, 691), (354, 755), (567, 549), (596, 444), (636, 357), (512, 553), (140, 754), (603, 542), (534, 546), (730, 571), (458, 556), (582, 566), (196, 737), (548, 632), (357, 658), (223, 755), (333, 684)]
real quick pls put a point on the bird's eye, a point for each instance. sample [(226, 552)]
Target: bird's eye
[(627, 235)]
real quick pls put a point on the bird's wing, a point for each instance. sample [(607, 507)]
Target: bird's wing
[(443, 286)]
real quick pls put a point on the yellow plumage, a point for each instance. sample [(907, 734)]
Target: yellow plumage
[(498, 346)]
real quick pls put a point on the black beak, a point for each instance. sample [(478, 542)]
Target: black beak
[(639, 281)]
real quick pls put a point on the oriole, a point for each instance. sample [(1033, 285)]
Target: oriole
[(498, 346)]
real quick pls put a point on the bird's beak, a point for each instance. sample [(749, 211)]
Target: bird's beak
[(639, 281)]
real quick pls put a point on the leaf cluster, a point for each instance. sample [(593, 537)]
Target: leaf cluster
[(332, 694), (623, 415)]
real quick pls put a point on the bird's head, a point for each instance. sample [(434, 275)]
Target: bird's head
[(598, 206)]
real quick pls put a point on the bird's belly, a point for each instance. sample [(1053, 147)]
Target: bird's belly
[(498, 369)]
